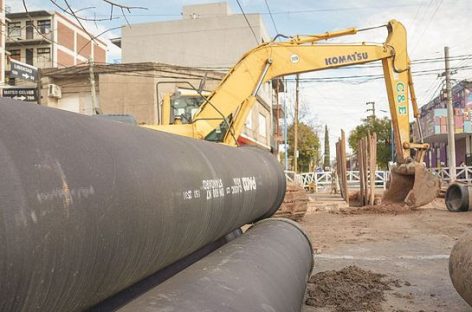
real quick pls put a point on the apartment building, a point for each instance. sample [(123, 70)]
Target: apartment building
[(207, 36), (433, 121), (49, 39)]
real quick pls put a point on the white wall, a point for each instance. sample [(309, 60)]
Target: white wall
[(215, 41)]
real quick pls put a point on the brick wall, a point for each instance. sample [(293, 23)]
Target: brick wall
[(64, 59), (65, 36), (99, 54), (83, 45)]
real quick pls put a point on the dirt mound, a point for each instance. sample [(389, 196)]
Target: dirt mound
[(384, 208), (355, 199), (350, 289), (295, 204)]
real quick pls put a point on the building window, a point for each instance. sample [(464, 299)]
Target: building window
[(44, 26), (14, 29), (29, 56), (29, 30), (262, 125), (44, 53), (15, 54)]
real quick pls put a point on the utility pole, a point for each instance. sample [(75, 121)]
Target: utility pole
[(277, 118), (451, 143), (285, 129), (295, 126), (372, 109), (95, 107)]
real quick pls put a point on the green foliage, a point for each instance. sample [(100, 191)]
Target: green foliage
[(383, 129), (326, 148), (308, 147)]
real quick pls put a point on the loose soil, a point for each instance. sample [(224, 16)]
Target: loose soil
[(295, 203), (349, 289), (387, 208), (411, 246)]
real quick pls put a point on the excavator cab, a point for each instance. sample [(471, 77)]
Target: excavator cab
[(184, 107), (180, 107)]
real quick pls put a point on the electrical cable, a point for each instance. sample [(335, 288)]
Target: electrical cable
[(271, 16), (247, 21)]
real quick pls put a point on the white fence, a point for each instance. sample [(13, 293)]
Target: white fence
[(463, 173), (323, 179)]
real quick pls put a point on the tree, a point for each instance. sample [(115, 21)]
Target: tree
[(308, 146), (383, 129), (326, 148)]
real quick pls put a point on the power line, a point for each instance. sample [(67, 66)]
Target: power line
[(417, 23), (294, 12), (438, 88), (271, 17), (428, 23), (413, 62), (373, 77), (247, 21)]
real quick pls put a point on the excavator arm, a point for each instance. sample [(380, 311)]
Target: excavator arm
[(222, 116)]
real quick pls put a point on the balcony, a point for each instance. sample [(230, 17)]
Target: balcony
[(21, 35), (278, 110), (36, 39)]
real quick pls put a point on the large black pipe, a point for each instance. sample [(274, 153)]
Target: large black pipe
[(460, 267), (458, 197), (89, 207), (265, 269)]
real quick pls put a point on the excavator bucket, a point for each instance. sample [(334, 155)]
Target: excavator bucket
[(411, 184)]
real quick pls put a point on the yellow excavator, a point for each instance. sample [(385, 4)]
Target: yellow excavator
[(220, 117)]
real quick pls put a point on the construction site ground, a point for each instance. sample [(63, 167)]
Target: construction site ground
[(410, 248)]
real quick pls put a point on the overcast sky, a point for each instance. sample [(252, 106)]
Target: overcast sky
[(431, 25)]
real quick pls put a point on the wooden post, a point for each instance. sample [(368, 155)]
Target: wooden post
[(360, 162), (341, 166), (366, 171), (364, 184), (373, 165), (295, 127), (367, 160), (371, 172), (338, 168), (344, 166)]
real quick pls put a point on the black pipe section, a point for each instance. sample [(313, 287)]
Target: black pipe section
[(266, 269), (460, 267), (458, 197), (89, 207), (138, 289)]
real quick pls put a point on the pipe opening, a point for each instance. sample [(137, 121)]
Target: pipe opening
[(457, 198)]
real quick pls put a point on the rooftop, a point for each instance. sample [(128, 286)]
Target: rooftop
[(168, 70), (40, 13)]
